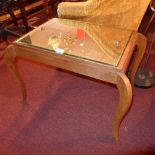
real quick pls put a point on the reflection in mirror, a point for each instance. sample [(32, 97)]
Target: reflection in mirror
[(85, 40)]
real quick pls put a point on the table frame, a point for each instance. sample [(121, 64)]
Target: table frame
[(115, 75)]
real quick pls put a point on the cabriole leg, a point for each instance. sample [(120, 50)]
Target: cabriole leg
[(125, 91), (9, 57)]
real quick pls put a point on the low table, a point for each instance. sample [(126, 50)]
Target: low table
[(96, 51)]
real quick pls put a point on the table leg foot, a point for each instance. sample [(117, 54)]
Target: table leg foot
[(125, 91)]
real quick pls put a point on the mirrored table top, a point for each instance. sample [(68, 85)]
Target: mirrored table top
[(83, 40)]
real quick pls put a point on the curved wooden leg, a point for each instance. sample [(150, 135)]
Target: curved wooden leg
[(140, 51), (125, 91), (9, 57)]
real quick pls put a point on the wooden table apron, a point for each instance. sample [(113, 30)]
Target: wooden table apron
[(108, 73)]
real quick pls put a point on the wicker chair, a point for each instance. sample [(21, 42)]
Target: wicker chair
[(121, 13)]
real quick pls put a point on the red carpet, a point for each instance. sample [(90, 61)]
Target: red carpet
[(68, 114)]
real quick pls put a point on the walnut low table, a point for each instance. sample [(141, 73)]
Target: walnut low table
[(97, 51)]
